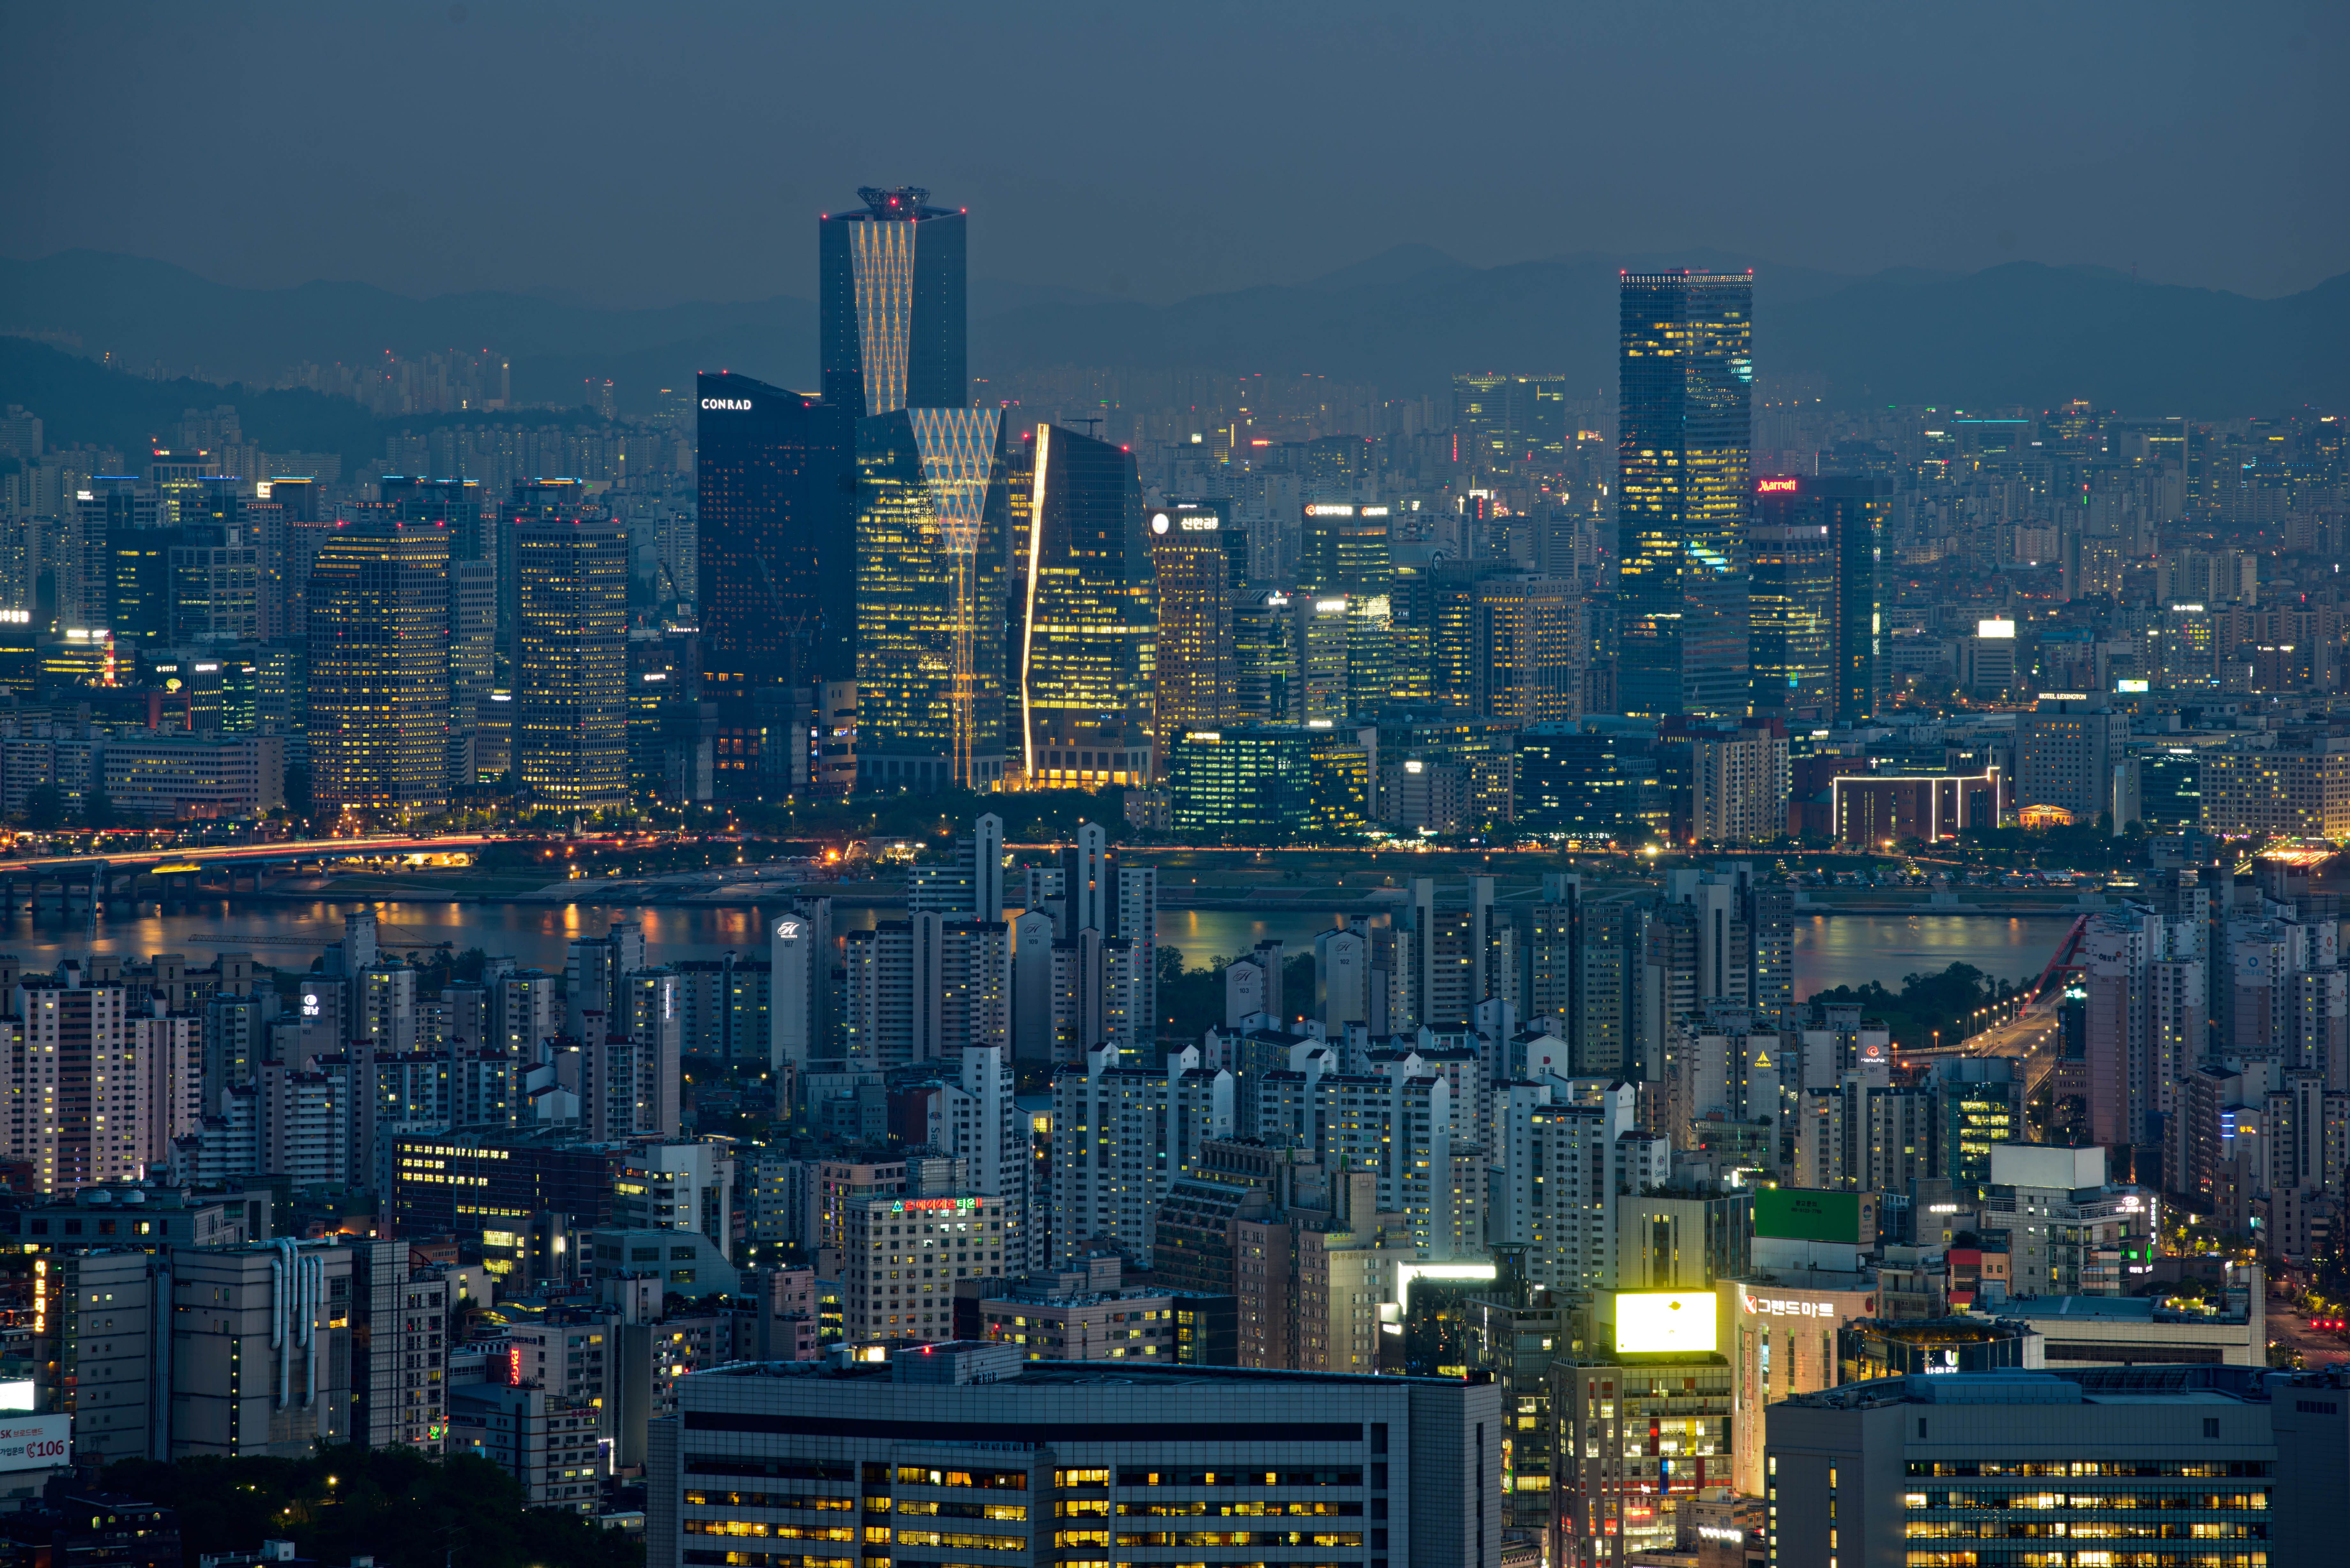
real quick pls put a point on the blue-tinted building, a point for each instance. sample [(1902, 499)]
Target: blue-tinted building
[(1683, 452)]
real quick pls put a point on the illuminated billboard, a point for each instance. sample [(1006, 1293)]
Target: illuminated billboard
[(1804, 1214), (1655, 1321)]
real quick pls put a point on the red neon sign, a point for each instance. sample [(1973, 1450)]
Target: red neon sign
[(1770, 486)]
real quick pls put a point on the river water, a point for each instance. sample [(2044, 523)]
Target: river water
[(1830, 950)]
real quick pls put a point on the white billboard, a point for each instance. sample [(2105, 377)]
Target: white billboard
[(35, 1442)]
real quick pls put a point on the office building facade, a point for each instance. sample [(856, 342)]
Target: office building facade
[(1683, 448), (1084, 616), (931, 517), (774, 491), (1193, 681), (1362, 1469), (571, 714), (379, 637), (2133, 1465), (1816, 625)]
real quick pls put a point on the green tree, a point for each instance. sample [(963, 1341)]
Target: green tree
[(46, 808), (97, 809), (397, 1505), (1191, 1001)]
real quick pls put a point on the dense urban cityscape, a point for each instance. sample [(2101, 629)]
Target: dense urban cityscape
[(948, 950)]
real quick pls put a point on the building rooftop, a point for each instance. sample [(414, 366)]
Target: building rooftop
[(1072, 1373), (2111, 1309), (2014, 1385)]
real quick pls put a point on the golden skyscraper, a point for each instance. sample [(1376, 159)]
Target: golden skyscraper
[(571, 680), (1192, 673), (379, 626)]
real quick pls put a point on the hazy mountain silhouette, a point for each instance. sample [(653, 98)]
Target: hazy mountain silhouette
[(1405, 320)]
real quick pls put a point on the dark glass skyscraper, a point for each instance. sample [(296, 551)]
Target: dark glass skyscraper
[(1818, 630), (1683, 441), (1790, 605), (1085, 616), (893, 299), (776, 480)]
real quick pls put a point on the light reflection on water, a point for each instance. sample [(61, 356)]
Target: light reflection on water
[(287, 935), (1830, 950), (1853, 949)]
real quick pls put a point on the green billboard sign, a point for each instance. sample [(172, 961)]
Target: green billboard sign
[(1807, 1214)]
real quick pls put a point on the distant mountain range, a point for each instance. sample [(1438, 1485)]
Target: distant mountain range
[(1405, 320)]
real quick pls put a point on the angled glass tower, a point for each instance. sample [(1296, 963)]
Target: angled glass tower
[(1683, 448), (931, 508), (1085, 616), (893, 303)]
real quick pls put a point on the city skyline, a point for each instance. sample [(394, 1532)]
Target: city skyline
[(2117, 117), (1633, 906)]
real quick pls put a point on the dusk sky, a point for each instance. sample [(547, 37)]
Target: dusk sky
[(640, 155)]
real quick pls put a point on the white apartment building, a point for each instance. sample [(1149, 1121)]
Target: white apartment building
[(1121, 1136)]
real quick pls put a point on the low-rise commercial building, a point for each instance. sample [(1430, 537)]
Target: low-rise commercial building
[(2141, 1331), (173, 776), (547, 1442), (2018, 1466), (1064, 1317), (961, 1452)]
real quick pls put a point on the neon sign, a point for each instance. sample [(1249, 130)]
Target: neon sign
[(1774, 486), (916, 1205)]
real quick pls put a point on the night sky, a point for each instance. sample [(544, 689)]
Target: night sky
[(642, 154)]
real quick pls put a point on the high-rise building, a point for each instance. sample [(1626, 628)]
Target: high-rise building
[(539, 498), (96, 1107), (1265, 781), (1346, 556), (1529, 649), (1502, 422), (1791, 594), (571, 698), (1289, 656), (894, 298), (774, 491), (1816, 627), (2145, 1029), (1193, 678), (1595, 787), (378, 636), (1682, 450), (1144, 1128), (472, 666), (2065, 748), (925, 988), (139, 587), (1084, 614), (931, 516), (400, 1385), (116, 509), (1738, 784), (455, 501)]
